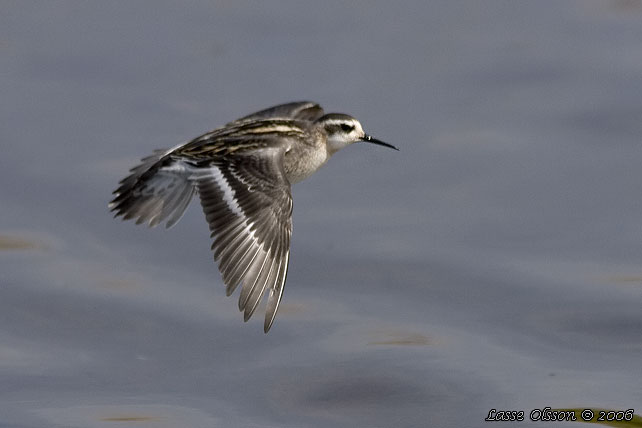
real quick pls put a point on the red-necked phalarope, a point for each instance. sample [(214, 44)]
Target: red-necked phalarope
[(242, 173)]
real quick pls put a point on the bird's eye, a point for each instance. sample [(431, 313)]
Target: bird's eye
[(347, 128)]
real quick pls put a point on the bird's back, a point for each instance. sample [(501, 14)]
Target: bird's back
[(246, 136)]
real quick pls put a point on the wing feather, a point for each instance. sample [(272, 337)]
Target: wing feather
[(299, 110), (276, 293), (248, 206), (237, 171)]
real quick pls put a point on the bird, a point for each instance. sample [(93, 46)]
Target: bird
[(242, 172)]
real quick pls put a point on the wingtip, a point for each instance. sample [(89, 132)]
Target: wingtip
[(267, 326)]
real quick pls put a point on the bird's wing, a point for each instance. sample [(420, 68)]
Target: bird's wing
[(300, 110), (247, 202), (158, 189)]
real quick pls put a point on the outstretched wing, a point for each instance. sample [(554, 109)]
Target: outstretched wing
[(158, 189), (300, 110), (238, 173), (248, 205)]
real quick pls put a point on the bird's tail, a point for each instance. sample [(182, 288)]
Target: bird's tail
[(158, 189)]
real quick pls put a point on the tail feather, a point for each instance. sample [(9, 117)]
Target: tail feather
[(158, 189)]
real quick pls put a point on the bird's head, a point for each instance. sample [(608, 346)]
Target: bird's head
[(343, 130)]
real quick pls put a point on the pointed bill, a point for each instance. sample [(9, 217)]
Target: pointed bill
[(370, 139)]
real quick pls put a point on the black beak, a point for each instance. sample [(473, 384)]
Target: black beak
[(370, 139)]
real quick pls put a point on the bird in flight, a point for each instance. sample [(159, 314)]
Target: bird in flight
[(242, 173)]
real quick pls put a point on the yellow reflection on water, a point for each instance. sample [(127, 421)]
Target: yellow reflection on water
[(128, 418), (401, 339), (12, 243)]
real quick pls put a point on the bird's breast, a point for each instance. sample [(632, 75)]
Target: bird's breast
[(302, 161)]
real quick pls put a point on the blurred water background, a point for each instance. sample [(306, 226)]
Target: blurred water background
[(494, 262)]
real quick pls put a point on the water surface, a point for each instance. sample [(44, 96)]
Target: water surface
[(494, 262)]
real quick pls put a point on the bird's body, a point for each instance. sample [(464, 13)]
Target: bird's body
[(242, 173)]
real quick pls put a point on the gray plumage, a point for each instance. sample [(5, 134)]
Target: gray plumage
[(242, 173)]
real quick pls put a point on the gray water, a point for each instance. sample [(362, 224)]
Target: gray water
[(494, 262)]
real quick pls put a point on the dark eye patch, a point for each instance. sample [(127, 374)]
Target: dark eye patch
[(347, 128)]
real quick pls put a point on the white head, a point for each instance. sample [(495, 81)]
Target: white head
[(343, 130)]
